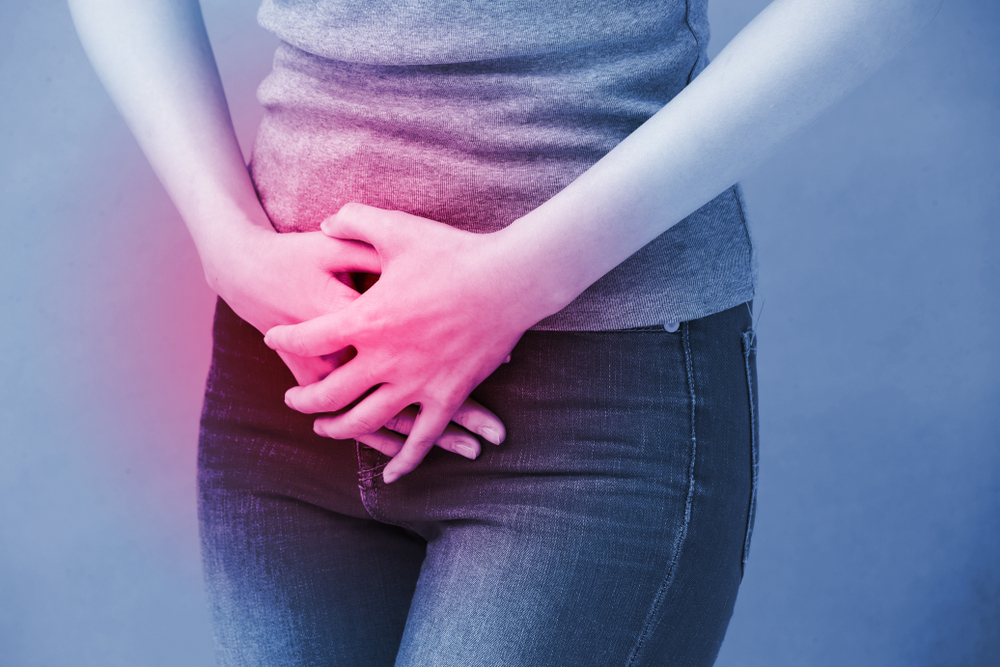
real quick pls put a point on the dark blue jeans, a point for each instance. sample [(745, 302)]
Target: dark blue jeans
[(611, 528)]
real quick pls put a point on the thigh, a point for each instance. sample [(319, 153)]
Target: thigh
[(296, 571), (610, 528)]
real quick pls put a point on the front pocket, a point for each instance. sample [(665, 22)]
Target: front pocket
[(750, 361)]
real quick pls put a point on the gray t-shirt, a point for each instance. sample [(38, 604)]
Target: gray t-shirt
[(475, 112)]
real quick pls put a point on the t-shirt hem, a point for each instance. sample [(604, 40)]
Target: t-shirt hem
[(642, 312)]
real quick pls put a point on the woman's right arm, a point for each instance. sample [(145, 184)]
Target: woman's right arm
[(155, 60)]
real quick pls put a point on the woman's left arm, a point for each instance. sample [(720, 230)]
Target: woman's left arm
[(450, 305)]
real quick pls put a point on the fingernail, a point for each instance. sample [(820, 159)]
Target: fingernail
[(317, 429), (288, 401), (465, 449), (389, 476), (490, 434), (268, 341)]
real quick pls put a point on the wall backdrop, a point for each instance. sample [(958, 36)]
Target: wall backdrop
[(878, 527)]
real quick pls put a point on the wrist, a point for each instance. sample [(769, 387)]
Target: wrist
[(230, 250), (540, 285), (227, 235)]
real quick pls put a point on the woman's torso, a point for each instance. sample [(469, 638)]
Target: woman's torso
[(475, 113)]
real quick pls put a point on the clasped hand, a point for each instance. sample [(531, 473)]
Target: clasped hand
[(439, 320)]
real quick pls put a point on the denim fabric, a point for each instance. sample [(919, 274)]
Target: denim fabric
[(611, 527)]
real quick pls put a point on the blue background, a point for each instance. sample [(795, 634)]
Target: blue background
[(878, 528)]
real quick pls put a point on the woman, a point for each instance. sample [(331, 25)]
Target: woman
[(586, 240)]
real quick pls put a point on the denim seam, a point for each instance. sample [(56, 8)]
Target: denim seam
[(750, 345), (368, 488), (366, 485), (652, 617)]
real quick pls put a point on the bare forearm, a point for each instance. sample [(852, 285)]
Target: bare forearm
[(797, 58), (156, 62)]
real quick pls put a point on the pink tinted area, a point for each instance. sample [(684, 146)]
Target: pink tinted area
[(105, 328), (879, 500), (135, 290)]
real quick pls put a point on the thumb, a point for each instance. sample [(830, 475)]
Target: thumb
[(375, 226), (352, 256)]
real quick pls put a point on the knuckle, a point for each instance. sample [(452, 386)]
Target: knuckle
[(329, 398), (438, 397), (423, 445), (362, 424), (371, 374), (295, 342)]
